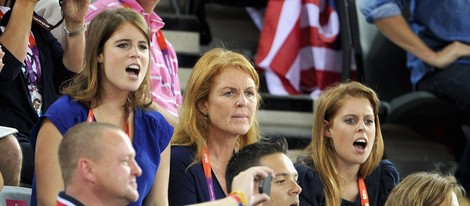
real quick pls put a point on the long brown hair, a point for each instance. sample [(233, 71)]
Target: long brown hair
[(321, 151), (86, 86)]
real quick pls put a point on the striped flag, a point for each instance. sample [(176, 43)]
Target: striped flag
[(299, 48)]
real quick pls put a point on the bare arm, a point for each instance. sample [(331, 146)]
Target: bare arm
[(1, 181), (398, 31), (173, 120), (16, 35), (158, 195), (1, 59), (74, 48), (48, 176)]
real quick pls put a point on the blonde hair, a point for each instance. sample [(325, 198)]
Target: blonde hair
[(86, 86), (321, 151), (424, 189), (193, 126)]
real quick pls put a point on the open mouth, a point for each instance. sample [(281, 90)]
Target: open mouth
[(360, 143), (294, 204), (133, 70)]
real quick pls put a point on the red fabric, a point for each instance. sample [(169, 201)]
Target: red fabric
[(298, 47)]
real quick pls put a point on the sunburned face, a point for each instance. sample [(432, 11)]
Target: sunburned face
[(352, 131), (125, 59), (232, 103), (117, 170)]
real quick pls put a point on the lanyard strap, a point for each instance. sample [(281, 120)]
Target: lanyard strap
[(208, 173), (166, 56), (91, 118), (363, 192)]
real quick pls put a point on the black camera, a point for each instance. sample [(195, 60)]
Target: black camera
[(265, 185)]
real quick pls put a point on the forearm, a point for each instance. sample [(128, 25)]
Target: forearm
[(48, 174), (74, 51), (1, 181), (16, 35), (398, 31), (158, 195)]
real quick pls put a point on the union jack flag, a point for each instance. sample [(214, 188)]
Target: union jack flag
[(299, 48)]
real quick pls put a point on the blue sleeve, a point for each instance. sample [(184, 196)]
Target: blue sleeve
[(390, 178), (64, 114), (390, 175), (163, 128), (312, 187), (378, 9), (182, 185)]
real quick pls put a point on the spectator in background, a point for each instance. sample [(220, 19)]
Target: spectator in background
[(165, 86), (218, 118), (426, 189), (11, 157), (98, 166), (343, 163), (35, 65), (113, 88), (438, 47), (272, 154)]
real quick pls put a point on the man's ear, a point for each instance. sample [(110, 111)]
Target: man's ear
[(326, 128), (85, 169)]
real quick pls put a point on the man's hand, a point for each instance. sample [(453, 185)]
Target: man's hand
[(74, 13), (247, 182), (449, 54)]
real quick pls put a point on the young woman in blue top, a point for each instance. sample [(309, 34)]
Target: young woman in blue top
[(343, 163), (216, 119), (113, 88)]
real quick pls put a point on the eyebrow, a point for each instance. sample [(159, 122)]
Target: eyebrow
[(285, 174), (128, 40)]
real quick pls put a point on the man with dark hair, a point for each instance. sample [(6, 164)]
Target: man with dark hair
[(98, 166), (272, 154)]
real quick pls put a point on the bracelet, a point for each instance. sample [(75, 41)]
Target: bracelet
[(75, 33), (239, 196)]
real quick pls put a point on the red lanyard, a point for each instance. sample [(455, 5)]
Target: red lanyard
[(166, 56), (363, 192), (91, 118), (208, 173)]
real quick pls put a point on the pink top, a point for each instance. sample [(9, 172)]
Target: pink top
[(165, 86)]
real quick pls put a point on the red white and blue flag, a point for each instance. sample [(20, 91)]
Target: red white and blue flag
[(299, 48)]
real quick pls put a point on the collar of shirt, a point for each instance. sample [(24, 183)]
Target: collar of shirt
[(154, 21)]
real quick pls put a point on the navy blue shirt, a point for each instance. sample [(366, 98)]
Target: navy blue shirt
[(379, 184), (188, 183)]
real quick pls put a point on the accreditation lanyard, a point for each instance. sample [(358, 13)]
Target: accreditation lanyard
[(91, 118), (363, 192), (166, 56), (208, 173)]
